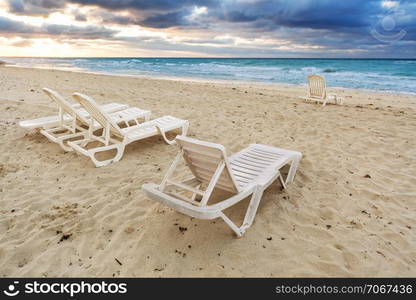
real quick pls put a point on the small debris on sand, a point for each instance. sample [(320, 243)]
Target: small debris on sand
[(159, 269), (182, 229), (65, 237), (128, 230)]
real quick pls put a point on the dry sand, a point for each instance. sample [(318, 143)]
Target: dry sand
[(351, 210)]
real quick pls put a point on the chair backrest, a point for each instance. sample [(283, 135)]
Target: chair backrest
[(98, 114), (64, 106), (317, 86), (204, 159)]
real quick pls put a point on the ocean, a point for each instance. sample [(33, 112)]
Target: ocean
[(396, 75)]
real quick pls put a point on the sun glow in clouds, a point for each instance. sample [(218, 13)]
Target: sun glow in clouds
[(390, 4), (197, 12)]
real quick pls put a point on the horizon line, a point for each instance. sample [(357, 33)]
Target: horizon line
[(207, 57)]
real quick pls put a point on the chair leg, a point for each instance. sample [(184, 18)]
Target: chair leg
[(252, 208), (185, 128), (232, 225), (102, 163), (171, 142), (53, 136), (64, 146), (250, 214), (292, 171), (282, 181)]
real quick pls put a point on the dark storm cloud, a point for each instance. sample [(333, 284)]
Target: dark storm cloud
[(107, 17), (10, 27), (354, 17), (172, 19), (80, 17), (334, 25), (271, 14), (237, 16), (35, 7), (89, 32), (341, 22), (43, 6), (149, 13), (163, 5), (316, 14)]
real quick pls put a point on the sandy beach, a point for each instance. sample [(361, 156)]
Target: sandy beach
[(350, 211)]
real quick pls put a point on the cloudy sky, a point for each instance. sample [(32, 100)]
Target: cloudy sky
[(208, 28)]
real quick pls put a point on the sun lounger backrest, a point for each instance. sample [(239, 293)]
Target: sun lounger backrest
[(97, 113), (64, 105), (317, 86), (203, 158)]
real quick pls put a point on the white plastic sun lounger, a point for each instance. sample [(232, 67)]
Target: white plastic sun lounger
[(248, 172), (114, 137), (78, 121), (53, 121), (317, 91)]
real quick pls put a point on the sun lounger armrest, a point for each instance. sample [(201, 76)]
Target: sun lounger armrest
[(162, 133), (152, 191)]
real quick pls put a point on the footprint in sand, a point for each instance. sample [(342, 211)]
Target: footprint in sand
[(351, 261), (7, 168)]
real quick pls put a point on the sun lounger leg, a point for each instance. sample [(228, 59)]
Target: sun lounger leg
[(292, 170), (252, 208), (250, 214), (51, 134), (185, 128), (171, 142), (80, 144), (282, 181), (234, 227), (61, 140), (102, 163)]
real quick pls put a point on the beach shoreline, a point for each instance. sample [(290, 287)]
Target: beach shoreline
[(301, 89), (349, 212), (203, 79)]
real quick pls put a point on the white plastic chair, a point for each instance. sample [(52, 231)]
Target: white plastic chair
[(248, 172), (75, 123), (317, 91), (56, 120), (114, 137)]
